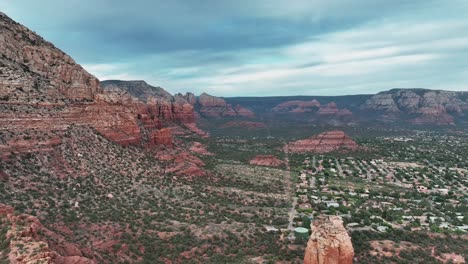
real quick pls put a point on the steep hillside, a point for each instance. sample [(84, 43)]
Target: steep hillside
[(118, 175), (34, 71), (44, 90), (420, 106)]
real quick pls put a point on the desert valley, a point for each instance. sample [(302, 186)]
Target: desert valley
[(120, 171)]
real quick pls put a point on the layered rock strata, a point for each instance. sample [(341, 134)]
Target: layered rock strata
[(325, 142), (329, 242)]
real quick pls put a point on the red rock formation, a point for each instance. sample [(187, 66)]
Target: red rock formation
[(328, 109), (244, 112), (183, 111), (195, 129), (206, 100), (44, 246), (199, 148), (243, 124), (297, 106), (43, 89), (443, 119), (266, 160), (163, 137), (430, 107), (182, 163), (21, 46), (211, 106), (324, 142), (310, 106), (155, 100), (191, 99), (329, 242)]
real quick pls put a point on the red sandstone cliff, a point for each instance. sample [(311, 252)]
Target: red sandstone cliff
[(429, 106), (43, 89), (39, 68), (31, 242), (312, 106), (329, 242), (297, 106), (211, 106), (324, 142)]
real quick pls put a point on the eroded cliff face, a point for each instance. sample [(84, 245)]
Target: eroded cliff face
[(313, 106), (211, 106), (335, 140), (424, 106), (35, 67), (42, 90), (329, 242), (297, 106), (158, 102)]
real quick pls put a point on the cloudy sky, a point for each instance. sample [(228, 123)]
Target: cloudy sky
[(260, 47)]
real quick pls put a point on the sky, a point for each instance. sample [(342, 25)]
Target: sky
[(260, 47)]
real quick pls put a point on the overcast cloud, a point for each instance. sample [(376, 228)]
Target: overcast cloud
[(263, 47)]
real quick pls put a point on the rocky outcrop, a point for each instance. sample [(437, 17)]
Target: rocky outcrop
[(163, 137), (332, 109), (297, 106), (181, 163), (329, 242), (138, 89), (312, 106), (325, 142), (37, 68), (381, 102), (212, 106), (157, 101), (43, 90), (420, 106), (266, 160), (207, 100), (31, 242), (199, 148)]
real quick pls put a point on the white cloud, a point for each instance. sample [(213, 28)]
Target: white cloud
[(400, 51)]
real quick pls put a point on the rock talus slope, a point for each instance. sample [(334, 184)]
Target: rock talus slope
[(329, 242), (30, 242), (266, 160)]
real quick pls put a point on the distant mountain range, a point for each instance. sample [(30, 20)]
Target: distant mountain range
[(413, 106)]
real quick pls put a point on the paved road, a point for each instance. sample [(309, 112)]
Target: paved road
[(338, 166), (292, 211)]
